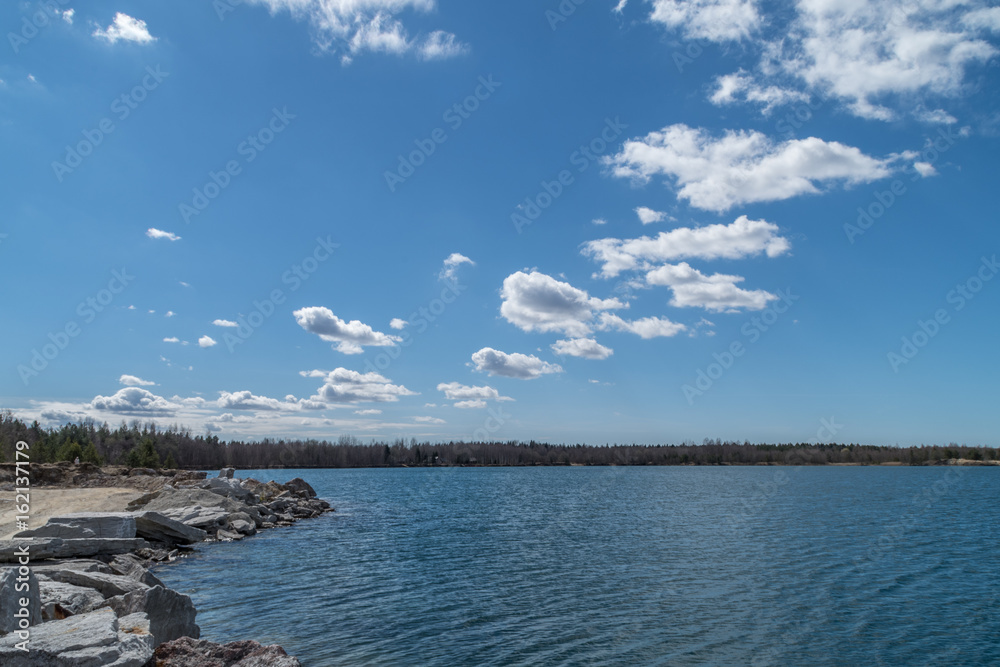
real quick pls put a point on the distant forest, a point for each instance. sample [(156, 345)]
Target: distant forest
[(150, 446)]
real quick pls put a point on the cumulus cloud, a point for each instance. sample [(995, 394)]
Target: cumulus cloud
[(369, 411), (134, 400), (126, 28), (455, 391), (717, 173), (648, 216), (429, 420), (714, 20), (133, 381), (516, 365), (225, 323), (645, 327), (349, 337), (172, 339), (741, 238), (440, 45), (741, 87), (451, 264), (586, 348), (67, 15), (352, 27), (717, 292), (155, 233), (346, 386), (472, 404), (244, 400), (872, 57), (398, 324), (206, 341), (862, 52), (538, 302)]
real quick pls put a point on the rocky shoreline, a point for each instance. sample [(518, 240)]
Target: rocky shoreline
[(91, 599)]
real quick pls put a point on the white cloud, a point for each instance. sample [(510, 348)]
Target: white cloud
[(346, 386), (925, 169), (741, 238), (646, 327), (370, 411), (516, 365), (599, 221), (717, 292), (353, 27), (398, 324), (872, 57), (451, 264), (648, 216), (714, 20), (225, 323), (429, 420), (743, 167), (455, 391), (537, 302), (934, 116), (155, 233), (350, 337), (244, 400), (125, 28), (170, 313), (440, 45), (987, 18), (206, 341), (472, 404), (587, 348), (134, 400), (133, 381), (740, 86), (172, 339), (67, 15), (32, 79)]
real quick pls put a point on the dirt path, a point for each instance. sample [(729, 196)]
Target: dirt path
[(49, 502)]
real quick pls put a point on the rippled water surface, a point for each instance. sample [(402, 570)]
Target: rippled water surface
[(619, 566)]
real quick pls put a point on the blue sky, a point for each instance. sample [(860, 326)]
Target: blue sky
[(642, 221)]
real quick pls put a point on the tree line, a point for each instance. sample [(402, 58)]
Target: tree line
[(151, 446)]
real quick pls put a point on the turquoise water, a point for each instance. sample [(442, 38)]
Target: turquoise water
[(619, 566)]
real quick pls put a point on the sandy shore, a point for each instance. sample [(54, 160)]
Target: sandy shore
[(47, 502)]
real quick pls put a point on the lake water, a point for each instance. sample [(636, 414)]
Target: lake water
[(619, 566)]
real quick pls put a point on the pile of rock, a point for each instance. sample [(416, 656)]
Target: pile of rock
[(95, 603)]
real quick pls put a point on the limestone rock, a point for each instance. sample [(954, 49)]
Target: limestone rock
[(160, 528), (10, 598), (56, 547), (107, 585), (60, 600), (171, 614), (130, 565), (87, 640), (86, 525)]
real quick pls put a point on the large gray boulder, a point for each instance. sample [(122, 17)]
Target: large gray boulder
[(61, 600), (87, 640), (107, 585), (177, 498), (131, 566), (171, 614), (301, 488), (10, 599), (202, 518), (161, 528), (227, 473), (232, 488), (86, 525), (56, 547)]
